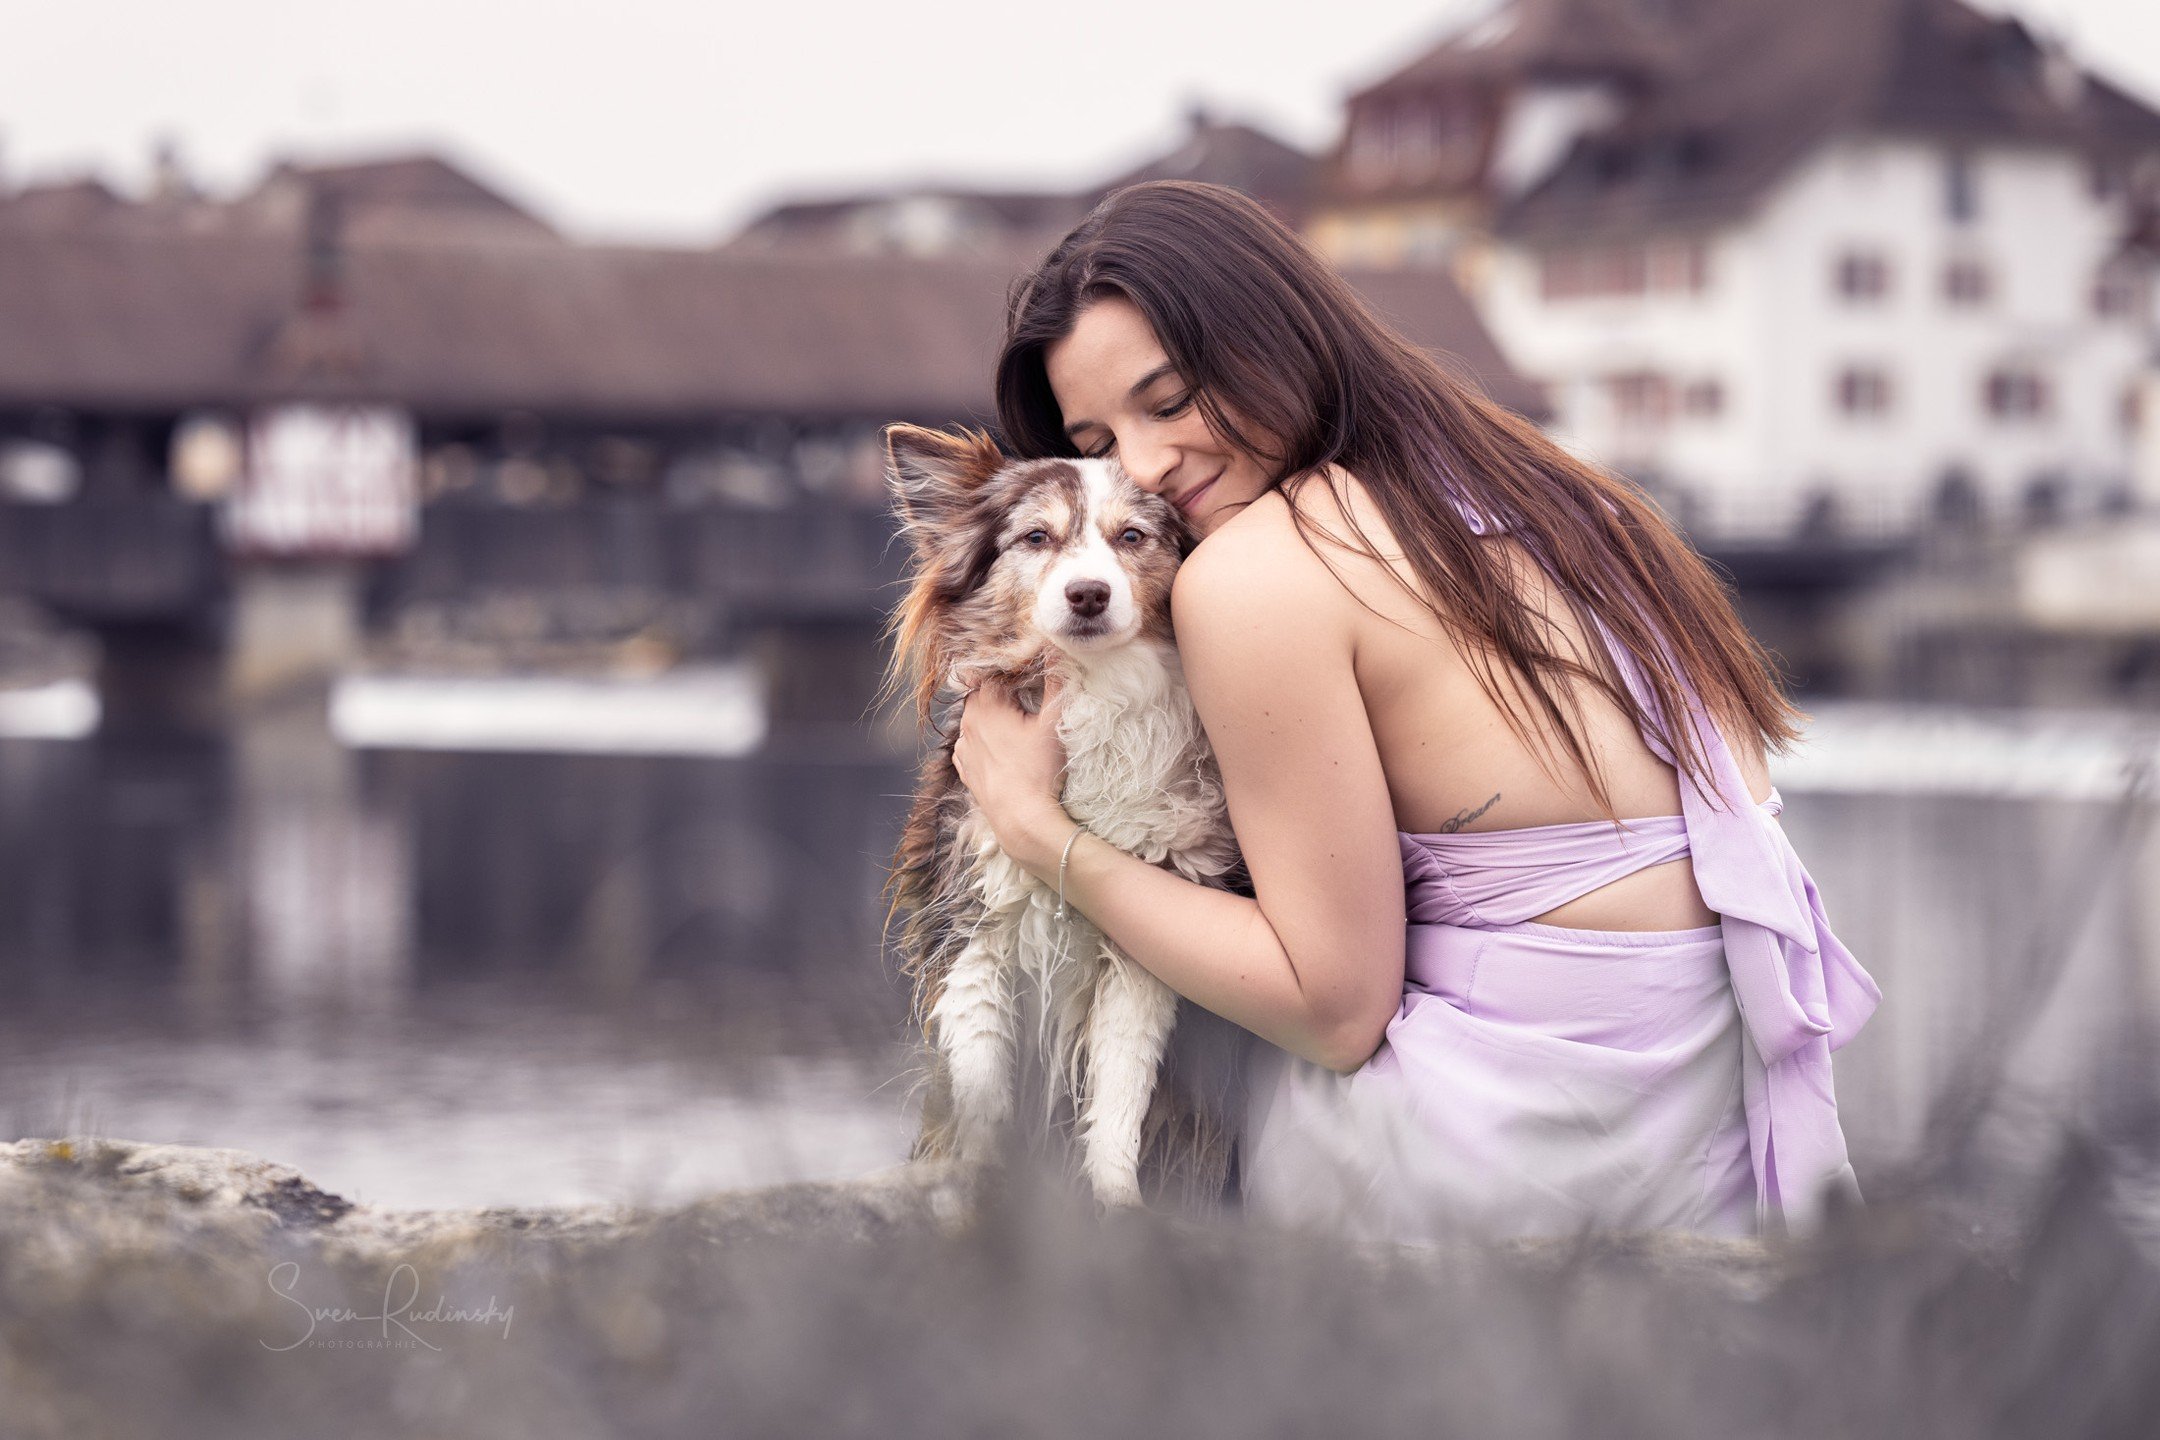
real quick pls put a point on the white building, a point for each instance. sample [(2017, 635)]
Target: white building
[(1858, 263)]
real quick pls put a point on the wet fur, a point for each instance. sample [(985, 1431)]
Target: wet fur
[(971, 923)]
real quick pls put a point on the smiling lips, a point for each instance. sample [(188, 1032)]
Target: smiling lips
[(1185, 502)]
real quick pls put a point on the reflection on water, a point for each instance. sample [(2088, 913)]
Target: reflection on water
[(443, 978), (1963, 907), (484, 1095), (433, 978)]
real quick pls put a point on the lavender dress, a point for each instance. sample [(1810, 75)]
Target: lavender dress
[(1542, 1080)]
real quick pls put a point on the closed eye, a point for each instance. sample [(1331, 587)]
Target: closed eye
[(1171, 411)]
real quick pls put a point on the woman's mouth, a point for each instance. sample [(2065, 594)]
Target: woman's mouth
[(1186, 501)]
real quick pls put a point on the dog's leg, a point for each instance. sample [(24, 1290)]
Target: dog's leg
[(1128, 1029), (973, 1024)]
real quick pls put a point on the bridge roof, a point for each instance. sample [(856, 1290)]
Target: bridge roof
[(153, 318)]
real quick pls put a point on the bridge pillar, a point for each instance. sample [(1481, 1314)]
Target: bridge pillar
[(326, 880), (294, 626)]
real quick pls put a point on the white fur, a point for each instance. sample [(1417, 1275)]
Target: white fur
[(1095, 559)]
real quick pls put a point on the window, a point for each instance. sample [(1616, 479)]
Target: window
[(1863, 390), (1823, 514), (1666, 267), (1416, 135), (1619, 270), (1604, 271), (1560, 275), (2116, 293), (1961, 191), (2045, 497), (1640, 397), (1863, 275), (1680, 267), (1372, 142), (1456, 119), (1396, 139), (1966, 283), (2014, 393), (1957, 498), (1703, 399)]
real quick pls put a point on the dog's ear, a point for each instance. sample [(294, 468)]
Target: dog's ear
[(934, 474)]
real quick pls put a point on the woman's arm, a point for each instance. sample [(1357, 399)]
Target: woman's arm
[(1315, 963)]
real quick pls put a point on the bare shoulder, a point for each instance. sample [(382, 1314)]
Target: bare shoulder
[(1299, 532), (1257, 565)]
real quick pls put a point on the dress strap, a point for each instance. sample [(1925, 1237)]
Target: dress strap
[(1800, 991), (1487, 878)]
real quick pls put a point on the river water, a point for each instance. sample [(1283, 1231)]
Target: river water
[(434, 974)]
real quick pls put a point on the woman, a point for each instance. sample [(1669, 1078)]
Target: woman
[(1433, 652)]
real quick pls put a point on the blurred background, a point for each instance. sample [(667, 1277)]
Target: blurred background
[(443, 546)]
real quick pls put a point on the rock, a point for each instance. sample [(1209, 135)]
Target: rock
[(132, 1194), (127, 1196)]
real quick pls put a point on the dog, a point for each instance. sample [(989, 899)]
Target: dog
[(1023, 570)]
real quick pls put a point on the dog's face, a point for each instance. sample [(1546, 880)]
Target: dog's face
[(1012, 555)]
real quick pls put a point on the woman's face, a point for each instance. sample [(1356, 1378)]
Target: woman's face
[(1121, 398)]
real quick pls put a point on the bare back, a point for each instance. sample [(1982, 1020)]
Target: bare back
[(1451, 759)]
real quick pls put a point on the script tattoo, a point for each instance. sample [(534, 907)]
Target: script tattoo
[(1464, 817)]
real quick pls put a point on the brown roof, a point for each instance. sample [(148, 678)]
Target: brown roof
[(1216, 151), (420, 196), (1220, 152), (61, 202), (1722, 97), (410, 184), (1552, 39), (141, 319), (1708, 143), (1005, 222), (1426, 306)]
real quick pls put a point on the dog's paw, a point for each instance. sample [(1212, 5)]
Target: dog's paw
[(1117, 1194), (1123, 1217)]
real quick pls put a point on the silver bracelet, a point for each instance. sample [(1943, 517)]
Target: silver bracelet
[(1064, 858)]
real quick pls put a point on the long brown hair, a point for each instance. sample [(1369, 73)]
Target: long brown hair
[(1258, 325)]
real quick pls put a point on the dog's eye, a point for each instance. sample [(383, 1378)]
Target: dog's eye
[(1133, 535), (1037, 537)]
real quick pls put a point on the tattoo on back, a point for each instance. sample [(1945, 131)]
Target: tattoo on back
[(1464, 817)]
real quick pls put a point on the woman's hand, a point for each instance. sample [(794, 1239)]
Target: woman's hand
[(1013, 764)]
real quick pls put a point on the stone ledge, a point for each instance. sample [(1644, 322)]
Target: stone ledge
[(156, 1195), (202, 1193)]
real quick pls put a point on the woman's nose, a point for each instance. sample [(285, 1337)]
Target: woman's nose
[(1149, 465)]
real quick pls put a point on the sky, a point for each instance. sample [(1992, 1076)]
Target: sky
[(669, 122)]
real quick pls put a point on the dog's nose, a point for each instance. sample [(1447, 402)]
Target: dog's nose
[(1088, 598)]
